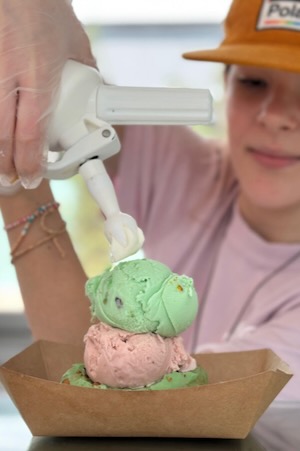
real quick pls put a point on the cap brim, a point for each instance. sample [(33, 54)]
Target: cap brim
[(272, 56)]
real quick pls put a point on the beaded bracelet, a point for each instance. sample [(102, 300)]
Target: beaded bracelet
[(43, 211), (30, 218)]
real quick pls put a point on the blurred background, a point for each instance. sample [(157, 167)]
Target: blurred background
[(136, 43)]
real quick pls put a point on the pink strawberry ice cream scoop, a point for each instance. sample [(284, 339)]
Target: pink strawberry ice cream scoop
[(121, 359)]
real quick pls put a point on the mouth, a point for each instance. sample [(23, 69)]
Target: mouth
[(272, 159)]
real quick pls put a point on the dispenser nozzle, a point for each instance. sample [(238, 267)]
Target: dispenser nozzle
[(80, 130), (120, 229)]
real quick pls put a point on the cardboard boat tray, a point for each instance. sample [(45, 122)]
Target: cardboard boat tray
[(241, 386)]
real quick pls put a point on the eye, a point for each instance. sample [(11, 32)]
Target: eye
[(252, 82), (119, 302)]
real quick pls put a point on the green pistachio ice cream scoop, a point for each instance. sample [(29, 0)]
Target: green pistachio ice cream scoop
[(143, 296)]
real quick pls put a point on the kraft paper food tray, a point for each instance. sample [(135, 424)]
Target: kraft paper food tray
[(241, 386)]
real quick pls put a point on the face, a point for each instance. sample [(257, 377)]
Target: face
[(263, 114)]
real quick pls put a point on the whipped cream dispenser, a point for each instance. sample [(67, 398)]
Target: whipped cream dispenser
[(80, 136)]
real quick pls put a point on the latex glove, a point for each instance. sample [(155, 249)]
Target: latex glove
[(125, 237), (10, 190), (37, 37)]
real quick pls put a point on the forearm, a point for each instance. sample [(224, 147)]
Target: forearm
[(52, 285)]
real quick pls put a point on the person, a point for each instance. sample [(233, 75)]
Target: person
[(34, 49), (225, 213)]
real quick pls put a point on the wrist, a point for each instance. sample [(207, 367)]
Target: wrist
[(32, 221), (24, 201)]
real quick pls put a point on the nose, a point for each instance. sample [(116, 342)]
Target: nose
[(279, 112)]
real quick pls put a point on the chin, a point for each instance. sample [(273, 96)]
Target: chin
[(269, 195), (267, 201)]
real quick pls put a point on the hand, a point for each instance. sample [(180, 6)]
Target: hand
[(10, 190), (37, 37), (124, 236)]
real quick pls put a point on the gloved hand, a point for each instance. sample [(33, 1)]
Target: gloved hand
[(37, 37), (10, 190)]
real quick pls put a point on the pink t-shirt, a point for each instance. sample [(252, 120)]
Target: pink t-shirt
[(182, 191)]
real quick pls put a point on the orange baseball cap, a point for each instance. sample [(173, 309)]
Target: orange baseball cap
[(261, 33)]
